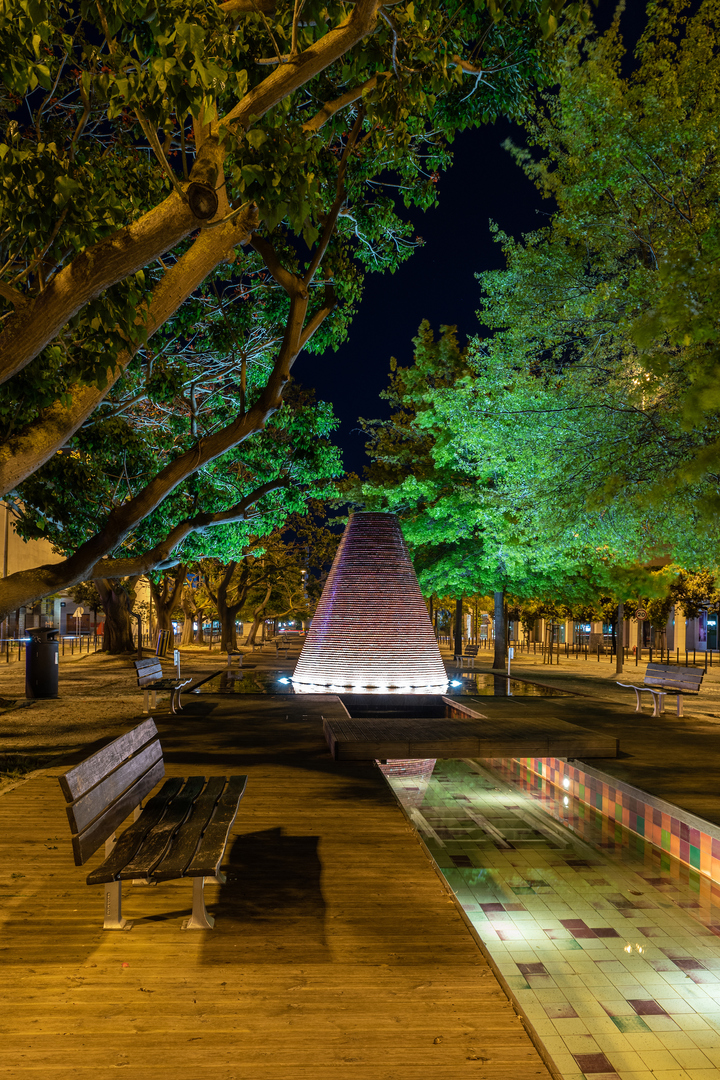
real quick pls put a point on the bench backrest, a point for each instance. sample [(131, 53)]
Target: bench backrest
[(102, 790), (148, 670), (673, 676), (471, 650)]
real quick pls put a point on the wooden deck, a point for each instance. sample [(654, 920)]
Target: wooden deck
[(337, 952), (523, 734)]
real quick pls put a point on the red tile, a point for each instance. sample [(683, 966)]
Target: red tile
[(644, 1007), (593, 1063)]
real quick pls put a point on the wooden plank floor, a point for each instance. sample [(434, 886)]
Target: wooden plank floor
[(337, 951), (525, 735)]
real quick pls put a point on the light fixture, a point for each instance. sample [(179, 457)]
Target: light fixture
[(284, 680), (456, 682), (566, 782), (566, 801)]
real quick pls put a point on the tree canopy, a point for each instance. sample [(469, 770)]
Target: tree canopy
[(146, 146), (576, 443)]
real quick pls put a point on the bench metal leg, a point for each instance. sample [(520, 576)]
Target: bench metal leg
[(680, 705), (200, 919), (113, 898), (658, 702), (638, 706)]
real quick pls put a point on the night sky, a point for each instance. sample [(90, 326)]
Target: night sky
[(438, 282)]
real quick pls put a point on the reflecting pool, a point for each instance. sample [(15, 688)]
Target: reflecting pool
[(610, 947)]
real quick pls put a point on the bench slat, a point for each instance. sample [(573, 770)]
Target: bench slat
[(657, 681), (206, 862), (89, 806), (132, 838), (95, 768), (86, 843), (148, 661), (157, 840), (673, 669), (675, 676), (185, 842), (154, 682)]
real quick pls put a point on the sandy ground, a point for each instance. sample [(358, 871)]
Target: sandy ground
[(97, 695)]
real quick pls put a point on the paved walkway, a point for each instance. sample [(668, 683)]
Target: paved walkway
[(320, 967)]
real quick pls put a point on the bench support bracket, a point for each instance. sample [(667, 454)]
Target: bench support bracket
[(113, 896), (200, 919), (113, 908)]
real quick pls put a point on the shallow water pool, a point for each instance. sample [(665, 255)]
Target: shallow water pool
[(610, 947)]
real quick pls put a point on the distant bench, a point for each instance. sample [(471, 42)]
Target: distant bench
[(471, 651), (661, 680), (151, 678), (182, 832)]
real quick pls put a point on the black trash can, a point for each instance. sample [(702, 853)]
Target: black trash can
[(41, 663)]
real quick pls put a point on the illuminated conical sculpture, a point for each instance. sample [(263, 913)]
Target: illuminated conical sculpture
[(371, 631)]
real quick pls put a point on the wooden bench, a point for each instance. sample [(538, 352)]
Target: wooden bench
[(182, 832), (661, 679), (150, 678), (471, 651)]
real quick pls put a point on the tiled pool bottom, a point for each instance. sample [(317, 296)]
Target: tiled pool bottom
[(612, 954)]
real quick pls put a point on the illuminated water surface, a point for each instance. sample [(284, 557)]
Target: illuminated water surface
[(610, 947)]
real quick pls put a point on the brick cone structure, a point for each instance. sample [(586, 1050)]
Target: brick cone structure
[(371, 632)]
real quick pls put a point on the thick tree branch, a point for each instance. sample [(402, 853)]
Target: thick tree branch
[(331, 222), (26, 586), (232, 8), (300, 69), (137, 245), (22, 455), (12, 295), (90, 560), (328, 110), (320, 315), (26, 333)]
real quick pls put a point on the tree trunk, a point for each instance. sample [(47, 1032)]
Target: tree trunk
[(189, 609), (228, 629), (116, 603), (620, 637), (200, 636), (258, 617), (500, 657), (458, 635), (166, 597)]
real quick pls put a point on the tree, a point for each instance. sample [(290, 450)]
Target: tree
[(160, 144), (166, 590), (117, 598), (228, 587), (248, 491), (468, 528), (604, 348)]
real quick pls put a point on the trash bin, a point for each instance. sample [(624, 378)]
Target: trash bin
[(41, 663)]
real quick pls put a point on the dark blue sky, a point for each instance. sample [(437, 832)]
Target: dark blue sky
[(438, 282)]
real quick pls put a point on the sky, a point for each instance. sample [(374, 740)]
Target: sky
[(438, 282)]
